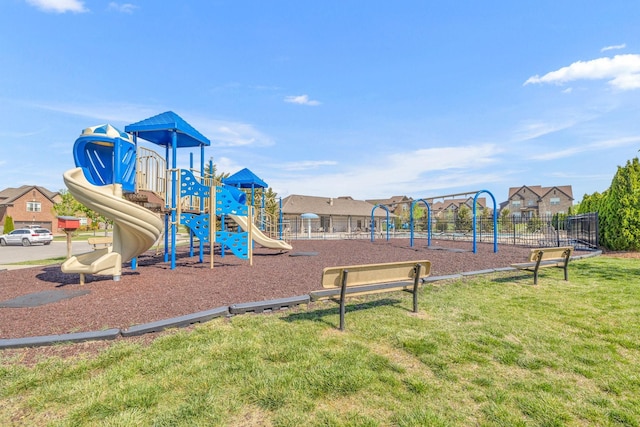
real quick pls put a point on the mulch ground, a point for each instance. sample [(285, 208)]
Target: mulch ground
[(154, 291)]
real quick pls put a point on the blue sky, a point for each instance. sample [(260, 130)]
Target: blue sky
[(370, 99)]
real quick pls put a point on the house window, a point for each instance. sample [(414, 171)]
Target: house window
[(554, 200), (34, 207), (515, 203), (531, 202)]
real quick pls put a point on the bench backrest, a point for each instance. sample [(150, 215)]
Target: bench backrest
[(368, 274), (100, 241), (550, 253)]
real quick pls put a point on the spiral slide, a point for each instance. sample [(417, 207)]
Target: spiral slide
[(135, 228), (259, 237)]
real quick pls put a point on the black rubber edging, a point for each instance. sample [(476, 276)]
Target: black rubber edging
[(107, 334), (269, 305), (176, 322)]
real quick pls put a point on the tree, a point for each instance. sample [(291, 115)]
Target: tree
[(590, 203), (506, 221), (486, 219), (8, 225), (68, 206), (464, 220), (419, 212), (534, 224), (620, 210), (217, 177)]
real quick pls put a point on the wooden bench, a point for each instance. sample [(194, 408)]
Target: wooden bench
[(100, 242), (547, 257), (364, 279)]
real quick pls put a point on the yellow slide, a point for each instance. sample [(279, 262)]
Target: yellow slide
[(259, 237), (135, 228)]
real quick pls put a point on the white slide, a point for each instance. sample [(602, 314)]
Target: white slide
[(135, 228), (259, 237)]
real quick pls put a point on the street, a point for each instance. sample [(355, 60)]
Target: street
[(13, 254)]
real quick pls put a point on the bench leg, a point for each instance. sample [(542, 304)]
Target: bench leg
[(566, 255), (343, 297), (535, 270), (416, 282)]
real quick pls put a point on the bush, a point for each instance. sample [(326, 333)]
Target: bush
[(8, 225)]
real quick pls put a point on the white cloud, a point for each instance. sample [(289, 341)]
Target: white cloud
[(231, 134), (114, 113), (594, 146), (613, 47), (59, 6), (301, 100), (622, 72), (418, 171), (307, 165), (122, 7)]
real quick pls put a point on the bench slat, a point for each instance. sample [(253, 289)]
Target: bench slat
[(367, 274), (549, 253), (361, 290)]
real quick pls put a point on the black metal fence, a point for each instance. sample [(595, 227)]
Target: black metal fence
[(580, 231)]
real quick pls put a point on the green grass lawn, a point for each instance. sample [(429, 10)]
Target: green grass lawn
[(489, 351)]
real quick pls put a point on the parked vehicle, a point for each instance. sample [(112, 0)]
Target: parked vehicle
[(27, 237)]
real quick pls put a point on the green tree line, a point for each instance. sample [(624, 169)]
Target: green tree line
[(618, 209)]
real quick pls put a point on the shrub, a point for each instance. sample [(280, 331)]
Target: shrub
[(8, 225)]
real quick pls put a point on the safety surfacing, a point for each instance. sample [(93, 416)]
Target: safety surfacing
[(41, 298)]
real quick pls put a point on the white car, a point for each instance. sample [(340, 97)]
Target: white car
[(26, 237)]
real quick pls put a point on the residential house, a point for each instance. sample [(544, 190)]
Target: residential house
[(29, 205), (335, 215), (398, 205), (450, 207), (534, 200)]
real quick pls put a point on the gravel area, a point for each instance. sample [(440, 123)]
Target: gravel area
[(154, 292)]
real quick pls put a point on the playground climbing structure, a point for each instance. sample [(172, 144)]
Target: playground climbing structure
[(135, 186)]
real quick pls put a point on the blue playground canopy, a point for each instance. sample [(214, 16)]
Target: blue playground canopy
[(245, 179), (159, 130)]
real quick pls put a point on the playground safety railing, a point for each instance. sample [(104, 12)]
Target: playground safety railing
[(151, 172)]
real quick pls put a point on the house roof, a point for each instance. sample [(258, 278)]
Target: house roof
[(324, 206), (456, 203), (541, 191), (10, 195), (159, 129), (390, 201)]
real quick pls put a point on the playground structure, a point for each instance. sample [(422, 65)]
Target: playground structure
[(115, 177), (429, 212)]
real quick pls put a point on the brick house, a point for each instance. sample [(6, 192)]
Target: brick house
[(29, 205), (532, 200)]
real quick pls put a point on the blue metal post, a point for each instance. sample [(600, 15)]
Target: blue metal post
[(411, 224), (202, 201), (174, 199), (190, 203), (495, 220), (280, 220), (167, 205), (373, 221)]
